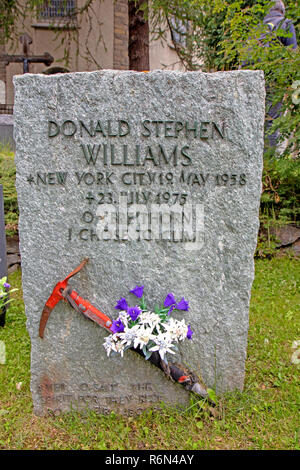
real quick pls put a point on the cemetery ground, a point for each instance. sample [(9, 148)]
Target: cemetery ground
[(264, 416)]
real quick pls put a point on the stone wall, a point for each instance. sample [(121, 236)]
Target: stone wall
[(120, 56)]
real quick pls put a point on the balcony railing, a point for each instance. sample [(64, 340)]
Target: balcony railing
[(6, 108), (57, 9)]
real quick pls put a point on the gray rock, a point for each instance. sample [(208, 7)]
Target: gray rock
[(296, 248), (292, 250), (286, 235), (13, 259), (13, 268), (13, 262), (12, 245), (210, 170)]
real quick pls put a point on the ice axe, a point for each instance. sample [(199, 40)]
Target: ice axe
[(62, 291)]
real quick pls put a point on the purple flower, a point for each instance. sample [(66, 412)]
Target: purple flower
[(189, 332), (117, 326), (169, 300), (134, 312), (171, 308), (6, 285), (122, 304), (138, 291), (182, 305)]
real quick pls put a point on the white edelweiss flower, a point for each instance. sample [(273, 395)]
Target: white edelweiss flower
[(163, 344), (119, 348), (145, 316), (177, 329), (109, 344), (128, 335), (149, 318), (124, 317), (143, 336)]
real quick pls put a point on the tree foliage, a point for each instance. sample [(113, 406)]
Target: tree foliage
[(281, 65), (202, 26), (223, 35)]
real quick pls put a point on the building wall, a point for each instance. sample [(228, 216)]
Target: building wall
[(111, 52), (86, 35), (163, 55)]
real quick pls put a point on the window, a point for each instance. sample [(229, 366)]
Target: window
[(57, 9)]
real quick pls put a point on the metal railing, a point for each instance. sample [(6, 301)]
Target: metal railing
[(57, 9), (6, 108)]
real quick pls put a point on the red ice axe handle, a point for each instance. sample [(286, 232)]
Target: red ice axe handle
[(86, 308)]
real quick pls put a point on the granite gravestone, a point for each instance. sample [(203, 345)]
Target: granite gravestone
[(156, 177)]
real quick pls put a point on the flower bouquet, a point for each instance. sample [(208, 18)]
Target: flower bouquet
[(153, 334), (138, 327)]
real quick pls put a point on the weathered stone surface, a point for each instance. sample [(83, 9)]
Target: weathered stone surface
[(12, 245), (296, 248), (13, 262), (13, 258), (215, 171), (286, 235)]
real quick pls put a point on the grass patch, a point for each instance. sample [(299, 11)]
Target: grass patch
[(7, 179), (263, 416)]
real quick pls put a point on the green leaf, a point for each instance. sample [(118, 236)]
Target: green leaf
[(199, 424), (212, 395)]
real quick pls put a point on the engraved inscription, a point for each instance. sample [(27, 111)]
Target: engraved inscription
[(101, 397), (122, 177)]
